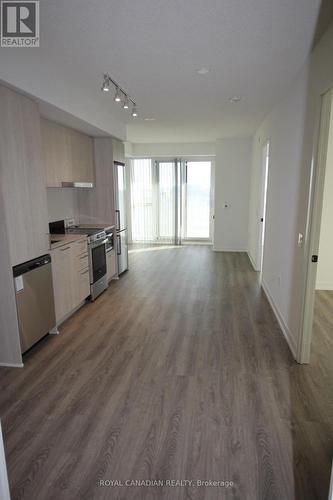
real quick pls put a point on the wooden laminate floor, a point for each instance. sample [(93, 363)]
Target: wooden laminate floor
[(178, 372)]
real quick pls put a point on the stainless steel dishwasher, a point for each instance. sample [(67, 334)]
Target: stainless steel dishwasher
[(34, 300)]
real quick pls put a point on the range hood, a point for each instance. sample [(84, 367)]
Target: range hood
[(77, 184)]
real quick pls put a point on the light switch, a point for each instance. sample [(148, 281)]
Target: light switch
[(300, 239)]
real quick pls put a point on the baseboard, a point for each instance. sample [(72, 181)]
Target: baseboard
[(285, 330), (324, 286), (243, 250), (12, 365), (252, 262)]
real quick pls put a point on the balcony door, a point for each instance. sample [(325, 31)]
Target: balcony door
[(197, 200), (170, 201)]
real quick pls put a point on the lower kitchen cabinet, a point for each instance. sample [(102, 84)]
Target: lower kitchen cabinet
[(62, 281), (110, 264), (83, 289), (70, 270)]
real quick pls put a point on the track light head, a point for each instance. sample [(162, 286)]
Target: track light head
[(106, 84), (134, 111), (117, 96), (126, 103)]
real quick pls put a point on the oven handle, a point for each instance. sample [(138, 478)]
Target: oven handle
[(98, 243), (119, 246)]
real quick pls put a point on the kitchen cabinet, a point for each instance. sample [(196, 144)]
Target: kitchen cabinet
[(80, 263), (62, 281), (82, 157), (22, 176), (67, 155), (56, 150), (23, 207), (71, 283), (111, 264)]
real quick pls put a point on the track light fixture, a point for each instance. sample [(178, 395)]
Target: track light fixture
[(120, 95)]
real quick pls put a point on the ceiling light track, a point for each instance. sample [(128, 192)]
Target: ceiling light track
[(120, 95)]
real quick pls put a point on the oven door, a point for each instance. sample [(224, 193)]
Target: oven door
[(97, 255)]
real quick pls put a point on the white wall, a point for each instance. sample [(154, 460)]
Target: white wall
[(325, 263), (232, 181), (292, 128), (170, 150), (62, 204)]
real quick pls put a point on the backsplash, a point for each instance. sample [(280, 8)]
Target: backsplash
[(62, 204)]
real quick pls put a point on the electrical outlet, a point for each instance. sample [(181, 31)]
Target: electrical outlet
[(70, 222)]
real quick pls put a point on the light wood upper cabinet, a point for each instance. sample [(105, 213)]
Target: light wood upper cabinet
[(22, 177), (56, 149), (82, 157), (67, 155)]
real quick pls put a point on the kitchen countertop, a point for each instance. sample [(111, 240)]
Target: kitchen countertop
[(64, 239), (107, 227)]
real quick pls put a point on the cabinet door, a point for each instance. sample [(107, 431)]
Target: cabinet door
[(80, 271), (22, 179), (56, 148), (83, 290), (82, 157), (111, 264), (62, 264)]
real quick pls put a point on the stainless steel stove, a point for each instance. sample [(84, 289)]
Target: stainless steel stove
[(97, 241)]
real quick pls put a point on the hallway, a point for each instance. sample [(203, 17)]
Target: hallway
[(178, 371)]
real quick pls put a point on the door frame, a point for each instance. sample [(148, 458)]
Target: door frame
[(263, 202), (315, 206)]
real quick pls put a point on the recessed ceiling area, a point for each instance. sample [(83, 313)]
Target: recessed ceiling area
[(155, 49)]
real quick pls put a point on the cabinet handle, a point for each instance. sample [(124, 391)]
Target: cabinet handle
[(118, 219), (63, 249)]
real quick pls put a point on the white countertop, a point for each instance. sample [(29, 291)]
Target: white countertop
[(65, 239), (106, 227)]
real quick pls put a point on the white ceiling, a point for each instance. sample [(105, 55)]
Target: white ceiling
[(254, 48)]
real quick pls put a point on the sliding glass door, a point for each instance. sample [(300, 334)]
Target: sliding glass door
[(166, 201), (170, 201), (197, 200), (142, 201)]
